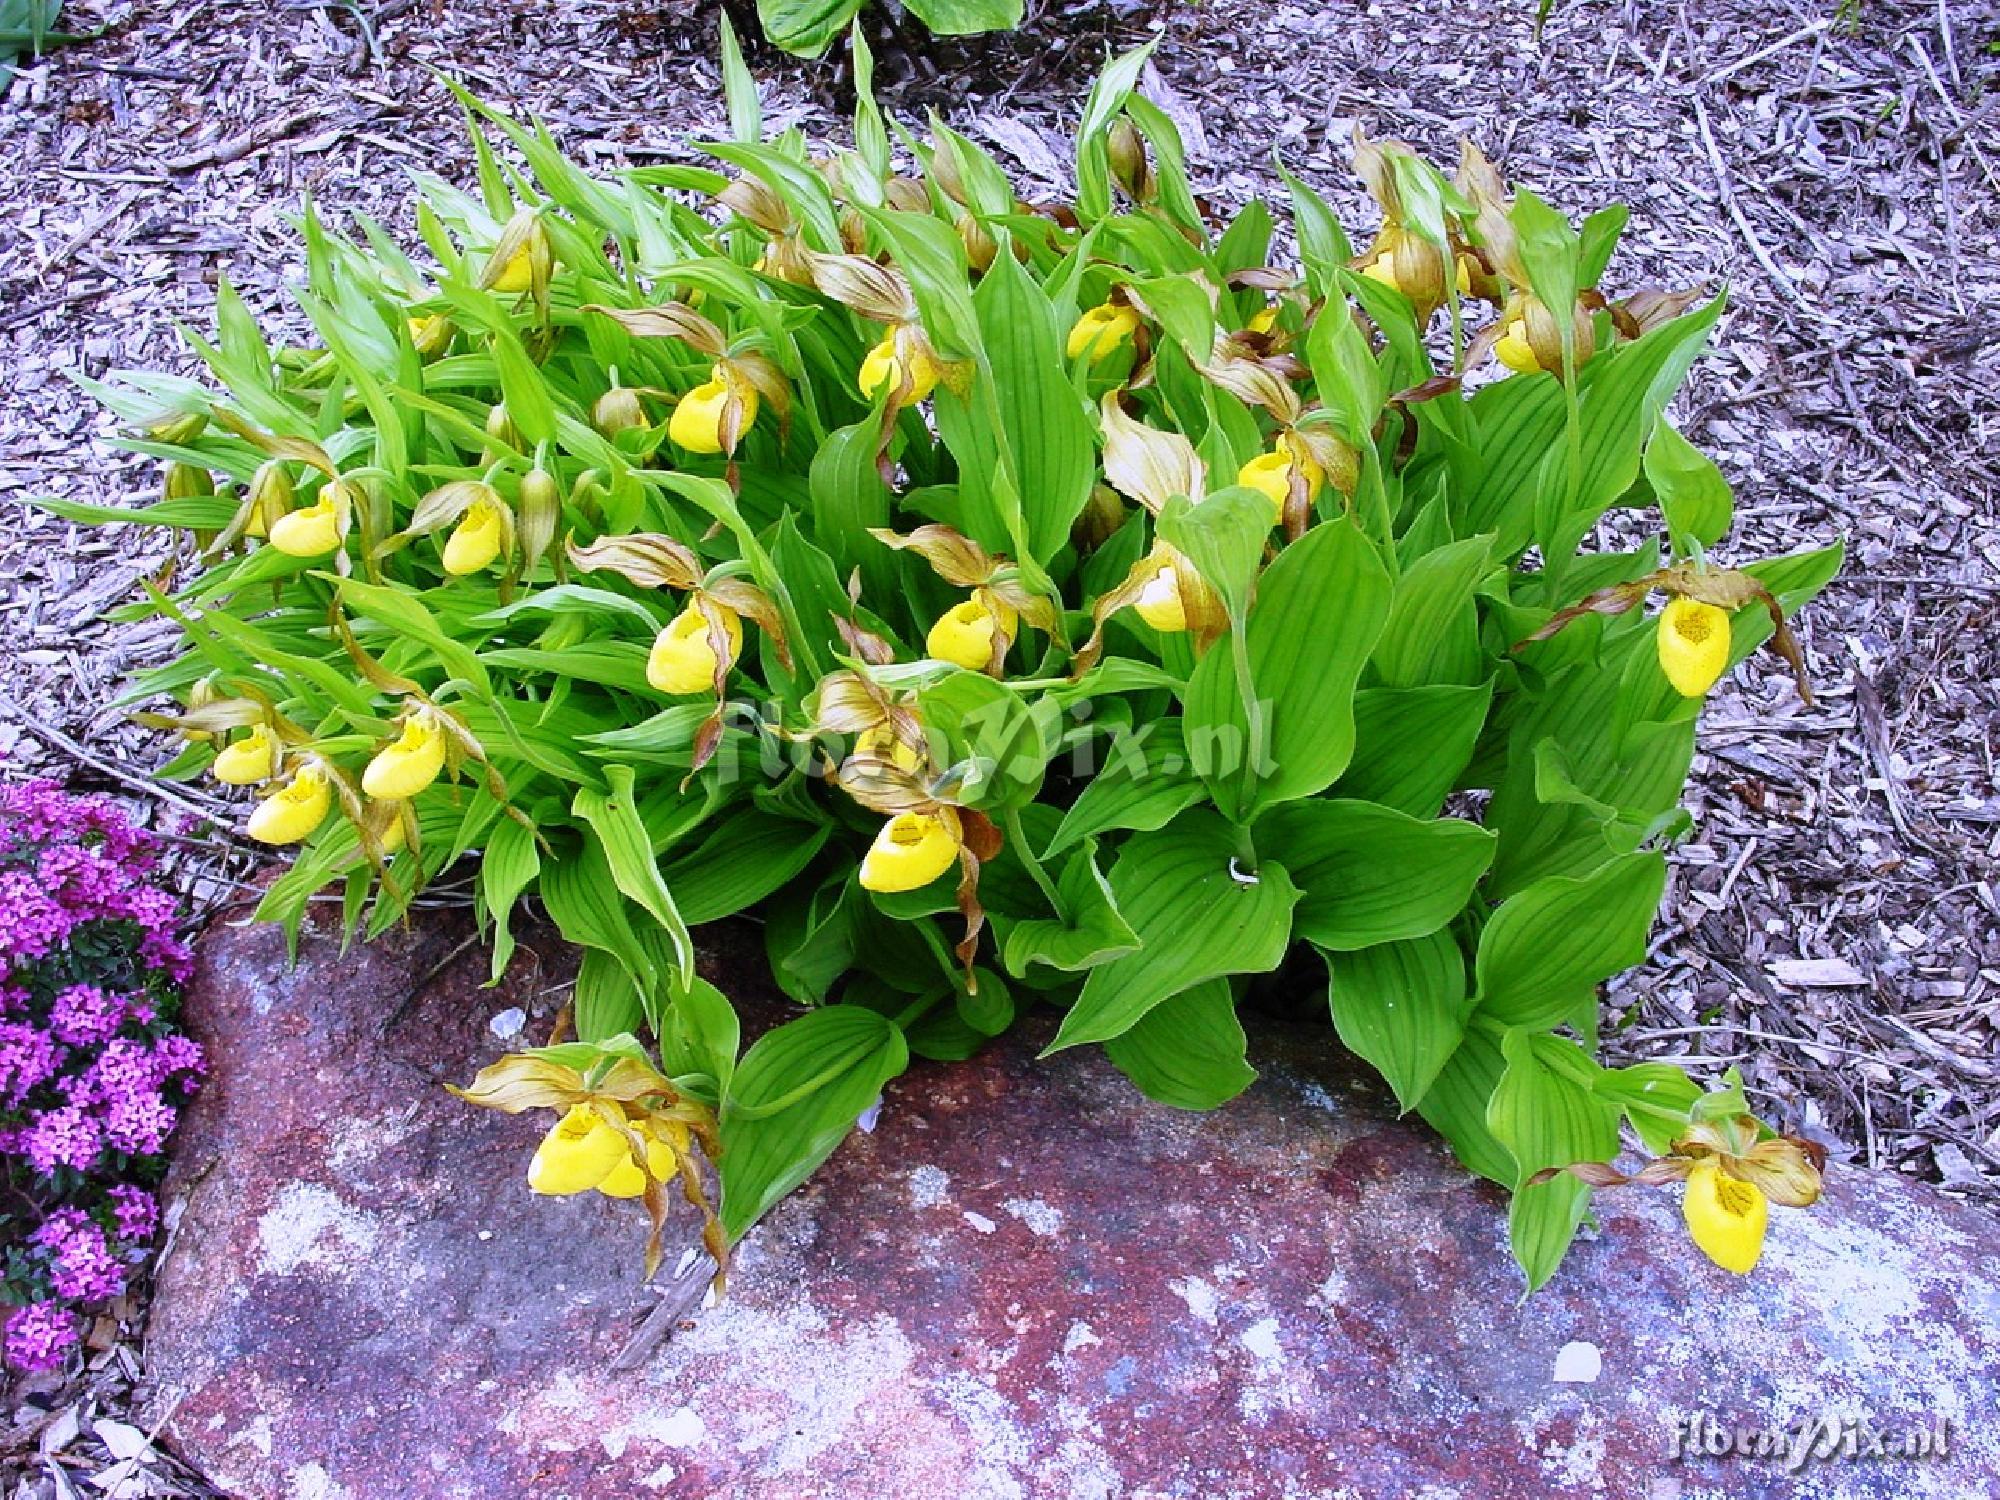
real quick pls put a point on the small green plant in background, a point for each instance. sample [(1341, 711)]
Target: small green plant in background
[(27, 29), (807, 28), (1014, 608)]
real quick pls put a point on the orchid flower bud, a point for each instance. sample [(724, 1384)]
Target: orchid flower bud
[(912, 850)]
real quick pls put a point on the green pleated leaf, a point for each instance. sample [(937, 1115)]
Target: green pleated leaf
[(1144, 783), (1548, 946), (1455, 1104), (1187, 1051), (1194, 921), (628, 850), (1401, 1007), (746, 857), (1432, 634), (1091, 933), (1545, 1112), (1410, 744), (1368, 874), (1051, 435), (1305, 653), (967, 17), (794, 1096), (508, 866)]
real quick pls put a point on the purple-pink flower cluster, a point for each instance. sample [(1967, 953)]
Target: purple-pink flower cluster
[(92, 1073)]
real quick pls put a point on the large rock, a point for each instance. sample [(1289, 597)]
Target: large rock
[(1027, 1281)]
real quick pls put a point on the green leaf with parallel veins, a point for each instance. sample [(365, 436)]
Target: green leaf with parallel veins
[(1194, 920), (606, 1001), (1544, 1111), (628, 850), (1187, 1051), (1319, 610), (699, 1035), (1051, 435), (1455, 1104), (1401, 1007), (1550, 944), (1655, 1096), (508, 867), (1368, 874), (746, 857), (1146, 782), (1411, 744), (1432, 634), (795, 1095), (967, 17), (1224, 538), (1093, 933), (1692, 493)]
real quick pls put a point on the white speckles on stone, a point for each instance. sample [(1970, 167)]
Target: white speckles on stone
[(1261, 1339), (1316, 1095), (1198, 1295), (1080, 1336), (660, 1478), (930, 1187), (682, 1428), (980, 1222), (312, 1482), (309, 1225), (1578, 1363), (509, 1024), (1037, 1215)]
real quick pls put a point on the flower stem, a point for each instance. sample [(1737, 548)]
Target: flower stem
[(1012, 822)]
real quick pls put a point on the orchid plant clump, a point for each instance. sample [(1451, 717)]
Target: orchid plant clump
[(92, 1069), (1013, 605)]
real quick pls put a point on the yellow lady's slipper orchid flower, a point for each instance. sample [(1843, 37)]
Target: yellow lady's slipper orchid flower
[(882, 368), (294, 810), (911, 851), (579, 1152), (251, 759), (1514, 351), (696, 423), (1101, 330), (683, 660), (518, 275), (1264, 320), (393, 837), (879, 742), (626, 1180), (401, 770), (1726, 1217), (963, 634), (475, 541), (1270, 474), (1693, 644), (311, 532), (1160, 604), (431, 335)]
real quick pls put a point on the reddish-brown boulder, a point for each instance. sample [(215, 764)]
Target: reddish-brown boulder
[(1027, 1281)]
